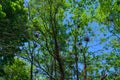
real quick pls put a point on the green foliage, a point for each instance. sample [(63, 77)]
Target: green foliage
[(47, 19), (13, 20), (60, 39), (2, 14), (16, 71), (13, 25)]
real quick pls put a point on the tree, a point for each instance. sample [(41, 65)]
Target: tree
[(66, 42), (13, 27), (49, 32), (16, 71)]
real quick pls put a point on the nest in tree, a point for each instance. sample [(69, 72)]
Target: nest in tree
[(87, 39)]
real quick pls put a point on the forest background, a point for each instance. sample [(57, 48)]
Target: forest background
[(59, 39)]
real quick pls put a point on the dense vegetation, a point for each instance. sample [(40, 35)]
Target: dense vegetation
[(59, 40)]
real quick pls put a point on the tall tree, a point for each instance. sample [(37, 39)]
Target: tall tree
[(13, 26), (71, 40), (13, 18)]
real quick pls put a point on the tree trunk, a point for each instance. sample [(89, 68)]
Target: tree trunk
[(85, 66), (31, 70), (60, 64), (77, 73), (57, 56), (76, 58)]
